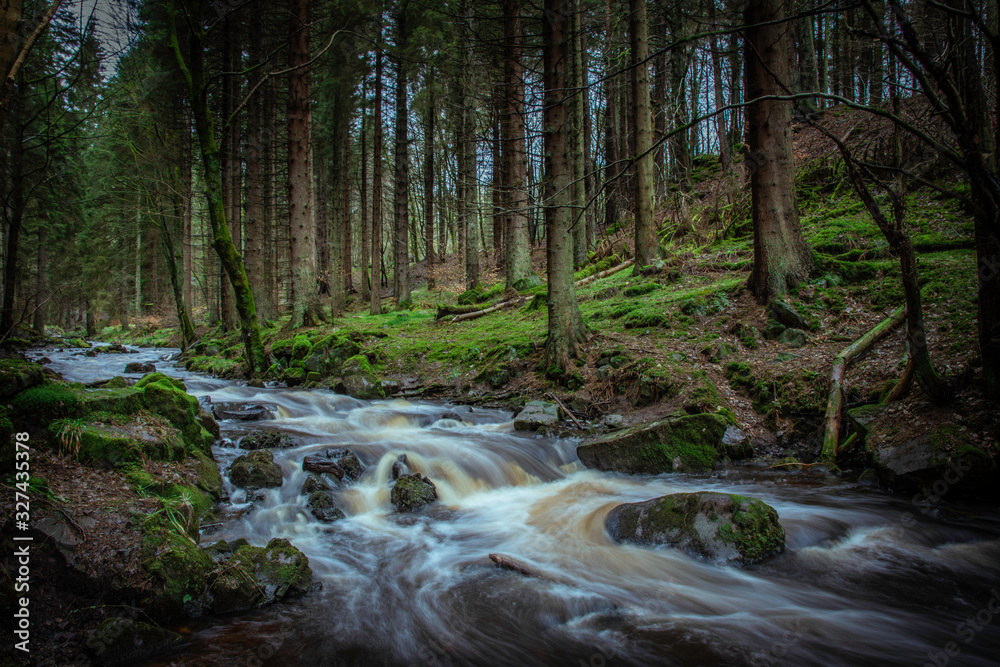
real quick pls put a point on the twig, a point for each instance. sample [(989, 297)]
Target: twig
[(564, 409)]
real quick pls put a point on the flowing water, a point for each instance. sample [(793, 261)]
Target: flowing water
[(867, 578)]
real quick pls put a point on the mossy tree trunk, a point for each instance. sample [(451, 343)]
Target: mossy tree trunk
[(566, 330), (647, 246), (175, 267), (781, 258), (518, 265), (301, 223), (376, 276), (193, 70)]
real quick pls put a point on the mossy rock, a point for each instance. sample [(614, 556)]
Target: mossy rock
[(16, 375), (497, 376), (324, 507), (168, 398), (524, 284), (301, 347), (725, 528), (209, 479), (256, 470), (265, 440), (76, 342), (411, 492), (359, 381), (121, 444), (255, 576), (653, 385), (117, 382), (293, 377), (688, 443), (180, 570), (122, 641), (46, 402)]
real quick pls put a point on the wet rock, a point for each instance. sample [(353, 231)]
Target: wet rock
[(786, 315), (793, 337), (139, 367), (389, 387), (256, 576), (293, 377), (321, 466), (348, 462), (535, 415), (256, 470), (411, 492), (324, 507), (653, 448), (265, 440), (44, 360), (208, 422), (721, 527), (313, 484), (244, 411), (122, 641), (256, 383)]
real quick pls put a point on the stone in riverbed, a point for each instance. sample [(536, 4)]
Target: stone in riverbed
[(256, 470), (348, 462), (721, 527), (139, 367), (265, 440), (324, 507), (411, 492), (320, 465), (694, 441), (256, 576), (244, 411), (535, 415)]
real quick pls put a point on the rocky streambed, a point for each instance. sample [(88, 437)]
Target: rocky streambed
[(373, 523)]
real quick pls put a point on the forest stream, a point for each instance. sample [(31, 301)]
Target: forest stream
[(866, 578)]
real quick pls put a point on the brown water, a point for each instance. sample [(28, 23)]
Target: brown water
[(867, 579)]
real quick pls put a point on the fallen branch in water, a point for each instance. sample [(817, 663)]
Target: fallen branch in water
[(508, 563), (604, 274), (832, 435)]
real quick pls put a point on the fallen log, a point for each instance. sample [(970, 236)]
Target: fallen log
[(492, 309), (832, 434), (604, 274), (452, 311)]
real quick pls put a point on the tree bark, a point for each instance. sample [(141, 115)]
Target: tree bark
[(401, 243), (429, 118), (577, 153), (255, 169), (566, 330), (647, 245), (231, 260), (366, 286), (518, 265), (15, 217), (781, 257), (376, 277)]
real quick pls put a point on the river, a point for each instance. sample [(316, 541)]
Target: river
[(866, 579)]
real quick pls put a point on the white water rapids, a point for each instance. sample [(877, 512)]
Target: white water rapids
[(867, 578)]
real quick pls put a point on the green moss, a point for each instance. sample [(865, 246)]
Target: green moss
[(179, 567), (168, 398), (16, 375), (48, 401), (641, 289), (301, 347)]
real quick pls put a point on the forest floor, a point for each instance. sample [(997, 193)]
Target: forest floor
[(693, 320)]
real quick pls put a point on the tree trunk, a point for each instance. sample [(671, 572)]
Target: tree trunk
[(340, 136), (720, 102), (518, 266), (781, 257), (612, 129), (647, 245), (363, 194), (231, 260), (429, 130), (41, 295), (578, 223), (376, 278), (467, 156), (15, 218), (566, 330), (401, 243), (174, 267), (255, 170)]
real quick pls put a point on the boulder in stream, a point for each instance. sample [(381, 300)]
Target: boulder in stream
[(256, 576), (140, 367), (692, 443), (348, 462), (261, 439), (411, 492), (535, 415), (722, 527), (256, 470), (16, 375), (324, 507), (322, 466), (244, 411), (359, 380)]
